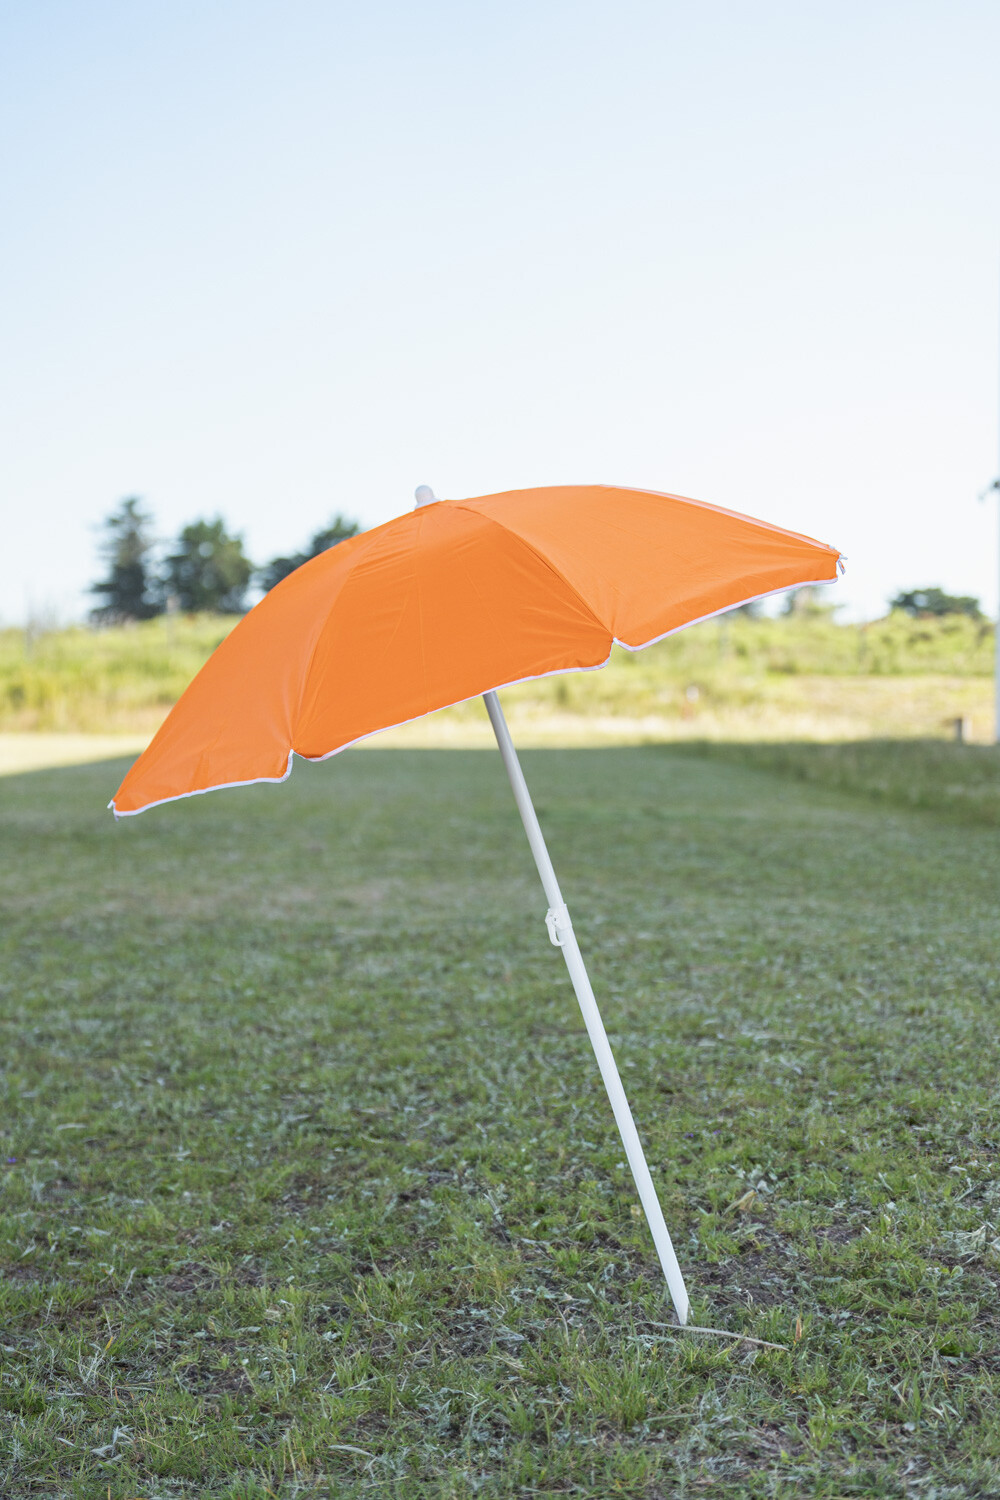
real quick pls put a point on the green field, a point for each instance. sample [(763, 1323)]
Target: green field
[(309, 1186), (803, 677)]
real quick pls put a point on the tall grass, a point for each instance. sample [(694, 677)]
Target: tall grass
[(962, 781), (769, 672), (98, 681)]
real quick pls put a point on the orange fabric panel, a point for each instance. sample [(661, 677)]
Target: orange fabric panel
[(234, 722), (445, 603), (650, 563)]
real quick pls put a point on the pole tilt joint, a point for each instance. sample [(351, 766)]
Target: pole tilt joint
[(557, 920)]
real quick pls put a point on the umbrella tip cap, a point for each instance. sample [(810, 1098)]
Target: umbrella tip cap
[(424, 495)]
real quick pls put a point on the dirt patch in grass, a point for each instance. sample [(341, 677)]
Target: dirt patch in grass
[(190, 1278)]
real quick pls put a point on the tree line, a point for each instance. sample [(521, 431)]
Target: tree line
[(204, 570), (207, 571)]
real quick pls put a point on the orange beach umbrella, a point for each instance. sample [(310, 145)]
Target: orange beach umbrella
[(455, 599)]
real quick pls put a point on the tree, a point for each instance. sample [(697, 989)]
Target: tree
[(209, 572), (934, 601), (339, 529), (129, 590)]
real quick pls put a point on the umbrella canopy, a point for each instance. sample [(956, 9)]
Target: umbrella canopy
[(458, 599), (449, 601)]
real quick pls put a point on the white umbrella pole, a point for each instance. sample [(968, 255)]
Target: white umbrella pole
[(562, 935)]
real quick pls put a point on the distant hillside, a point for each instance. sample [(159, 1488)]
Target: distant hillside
[(900, 675)]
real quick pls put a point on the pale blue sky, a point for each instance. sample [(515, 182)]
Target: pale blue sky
[(278, 260)]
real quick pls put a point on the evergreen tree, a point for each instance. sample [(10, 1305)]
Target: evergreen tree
[(339, 529), (129, 590), (209, 572)]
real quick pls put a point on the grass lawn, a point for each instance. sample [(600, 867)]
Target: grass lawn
[(308, 1184)]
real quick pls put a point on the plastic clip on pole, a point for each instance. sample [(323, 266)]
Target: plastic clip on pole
[(558, 923), (561, 934)]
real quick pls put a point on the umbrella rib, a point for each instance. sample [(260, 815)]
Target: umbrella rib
[(365, 542), (712, 614), (540, 556)]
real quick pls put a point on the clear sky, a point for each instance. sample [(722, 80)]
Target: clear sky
[(275, 260)]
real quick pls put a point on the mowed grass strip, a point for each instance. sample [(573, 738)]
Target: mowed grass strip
[(309, 1185)]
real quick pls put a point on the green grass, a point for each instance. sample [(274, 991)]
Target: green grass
[(125, 679), (102, 681), (316, 1191), (960, 780)]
